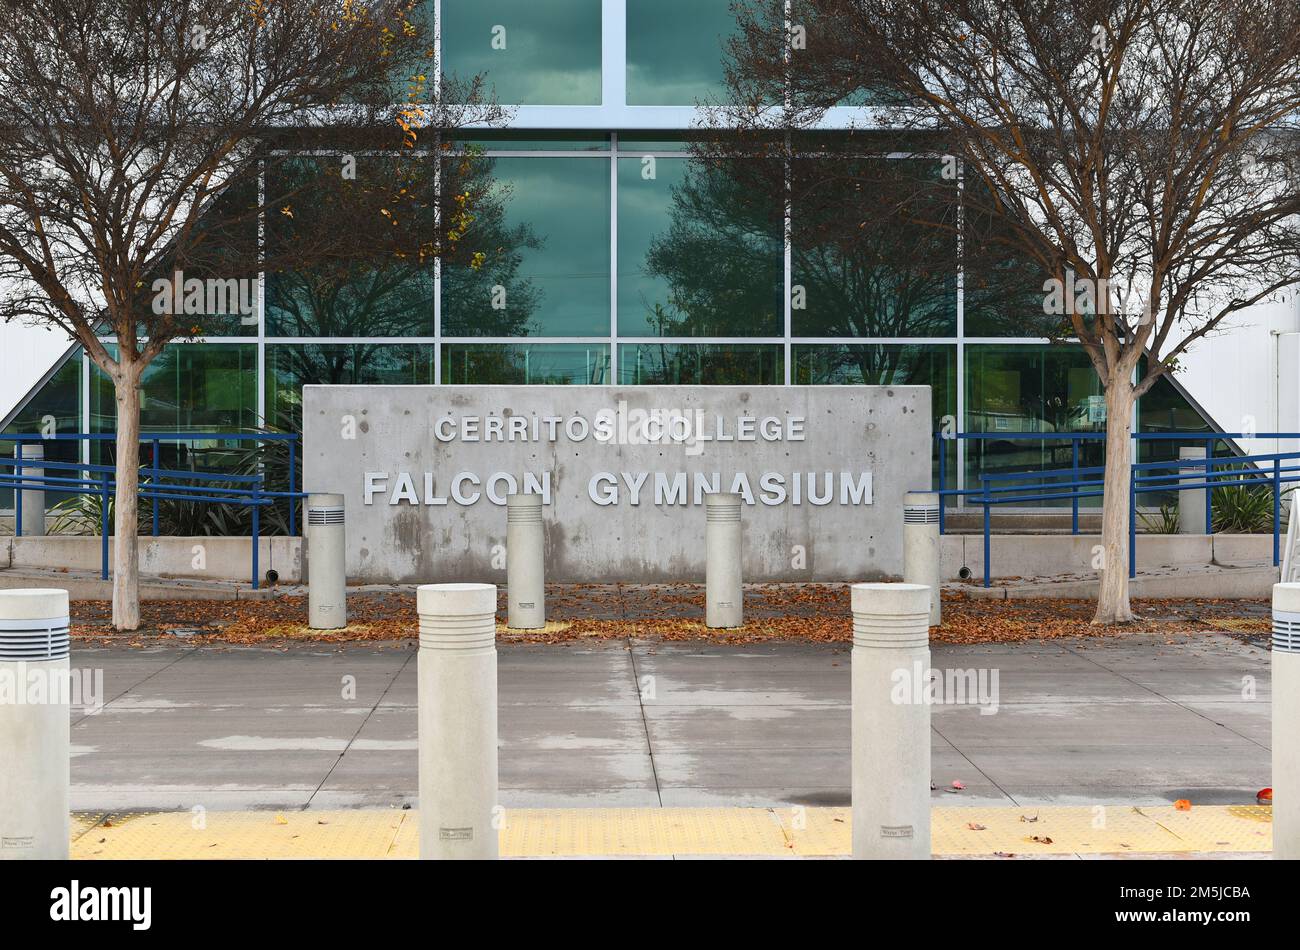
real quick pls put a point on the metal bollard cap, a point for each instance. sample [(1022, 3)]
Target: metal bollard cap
[(523, 500), (456, 600), (43, 603)]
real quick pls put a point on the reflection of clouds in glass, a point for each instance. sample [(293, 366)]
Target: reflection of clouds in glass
[(675, 50), (551, 55), (566, 203), (644, 213)]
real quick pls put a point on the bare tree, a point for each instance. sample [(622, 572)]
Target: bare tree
[(1140, 154), (138, 146)]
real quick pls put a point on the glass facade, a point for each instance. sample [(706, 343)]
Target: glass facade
[(606, 253), (526, 52), (675, 51)]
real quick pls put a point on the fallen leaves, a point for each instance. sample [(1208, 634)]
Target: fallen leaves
[(671, 613)]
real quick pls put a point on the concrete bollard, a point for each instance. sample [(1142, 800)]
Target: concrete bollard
[(1286, 716), (525, 563), (33, 524), (723, 594), (34, 736), (891, 721), (921, 546), (458, 721), (327, 571), (1191, 503)]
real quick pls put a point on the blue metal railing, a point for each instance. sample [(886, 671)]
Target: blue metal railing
[(85, 478), (1070, 484)]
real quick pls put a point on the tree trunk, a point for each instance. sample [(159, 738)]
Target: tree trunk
[(126, 559), (1112, 598)]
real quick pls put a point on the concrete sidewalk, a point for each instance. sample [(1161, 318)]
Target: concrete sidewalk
[(1140, 720)]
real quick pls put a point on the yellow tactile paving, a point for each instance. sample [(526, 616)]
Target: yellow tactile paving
[(615, 832), (651, 832), (1227, 828), (258, 834)]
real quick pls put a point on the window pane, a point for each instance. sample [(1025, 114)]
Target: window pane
[(194, 387), (873, 248), (373, 287), (523, 364), (55, 407), (290, 366), (890, 365), (530, 53), (212, 290), (675, 51), (700, 364), (505, 140), (545, 235), (698, 253), (1004, 291), (1165, 409), (1036, 389)]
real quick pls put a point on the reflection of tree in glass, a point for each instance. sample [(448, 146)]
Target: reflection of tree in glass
[(469, 280), (344, 364), (721, 257), (866, 264), (380, 283)]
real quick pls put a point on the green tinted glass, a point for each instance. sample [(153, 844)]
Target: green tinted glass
[(528, 53), (201, 387), (890, 365), (55, 408), (675, 51), (1011, 390), (524, 364), (337, 266), (290, 366), (869, 254), (700, 364), (698, 253), (543, 231)]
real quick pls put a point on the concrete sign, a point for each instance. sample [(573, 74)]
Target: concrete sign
[(622, 472)]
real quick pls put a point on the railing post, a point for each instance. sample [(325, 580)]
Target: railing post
[(103, 529), (1209, 492), (1074, 492), (943, 474), (1277, 512), (984, 485), (257, 511), (293, 502), (1132, 519), (18, 490), (155, 497)]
